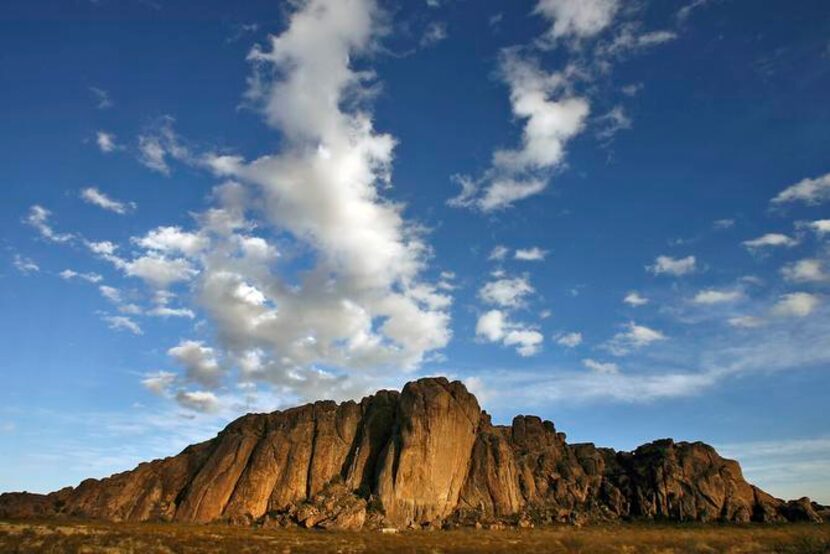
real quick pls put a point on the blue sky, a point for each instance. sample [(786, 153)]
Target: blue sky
[(611, 214)]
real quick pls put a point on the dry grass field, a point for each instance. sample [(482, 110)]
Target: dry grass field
[(63, 536)]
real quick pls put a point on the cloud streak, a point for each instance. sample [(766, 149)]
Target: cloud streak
[(92, 195)]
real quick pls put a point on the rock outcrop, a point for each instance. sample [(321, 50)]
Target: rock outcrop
[(425, 457)]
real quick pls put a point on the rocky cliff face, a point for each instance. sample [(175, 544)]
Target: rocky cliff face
[(427, 456)]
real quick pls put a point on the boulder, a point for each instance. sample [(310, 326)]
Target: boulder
[(426, 460)]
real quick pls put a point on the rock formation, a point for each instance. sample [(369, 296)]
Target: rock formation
[(425, 457)]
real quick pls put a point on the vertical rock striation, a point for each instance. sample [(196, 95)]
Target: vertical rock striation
[(426, 459), (426, 456)]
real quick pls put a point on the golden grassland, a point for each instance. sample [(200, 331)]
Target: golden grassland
[(65, 536)]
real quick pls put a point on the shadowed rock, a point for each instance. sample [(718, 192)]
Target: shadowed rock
[(427, 456)]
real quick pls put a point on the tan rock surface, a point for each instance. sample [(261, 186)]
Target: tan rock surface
[(426, 461)]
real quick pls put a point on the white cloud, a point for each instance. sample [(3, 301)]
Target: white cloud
[(708, 357), (495, 326), (770, 240), (435, 32), (552, 117), (612, 123), (632, 338), (158, 270), (628, 39), (507, 293), (446, 282), (111, 293), (655, 37), (746, 322), (105, 141), (132, 309), (549, 123), (102, 98), (633, 89), (527, 341), (713, 296), (490, 325), (809, 191), (198, 401), (240, 30), (635, 299), (569, 340), (796, 304), (162, 308), (159, 382), (358, 304), (363, 308), (503, 193), (92, 195), (539, 388), (152, 154), (534, 254), (710, 360), (199, 362), (498, 253), (753, 280), (153, 267), (172, 240), (102, 248), (601, 367), (68, 275), (722, 224), (165, 311), (577, 18), (808, 270), (161, 299), (666, 265), (25, 265), (39, 219), (684, 12), (160, 144), (821, 226), (123, 323)]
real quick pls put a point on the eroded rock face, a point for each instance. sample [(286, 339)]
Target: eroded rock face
[(425, 463), (427, 456)]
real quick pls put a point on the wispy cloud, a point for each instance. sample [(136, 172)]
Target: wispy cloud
[(808, 191), (635, 299), (633, 337), (569, 340), (25, 265), (435, 32), (770, 240), (160, 144), (667, 265), (788, 468), (38, 218), (69, 275), (106, 142), (497, 326), (92, 195), (123, 323), (534, 254), (102, 98)]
